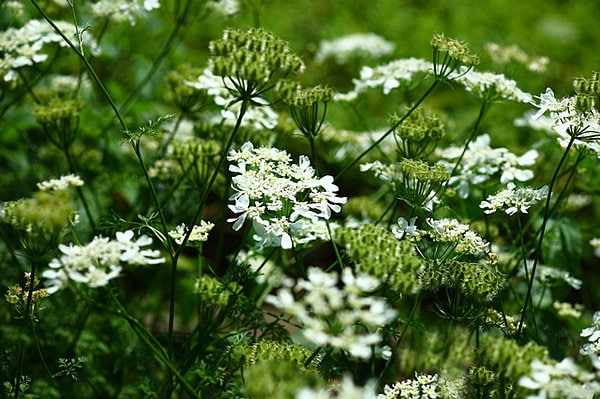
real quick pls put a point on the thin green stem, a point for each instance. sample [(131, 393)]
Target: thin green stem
[(541, 236), (389, 131)]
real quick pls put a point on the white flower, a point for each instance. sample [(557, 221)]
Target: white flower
[(513, 200), (279, 197), (98, 262), (491, 86), (595, 243), (347, 47), (343, 318), (61, 183), (199, 233), (481, 162), (404, 227), (121, 10), (23, 46), (389, 76), (345, 390)]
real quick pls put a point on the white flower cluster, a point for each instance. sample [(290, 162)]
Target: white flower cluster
[(491, 86), (567, 121), (23, 46), (341, 318), (481, 162), (123, 10), (279, 197), (199, 233), (550, 275), (421, 387), (262, 117), (62, 183), (347, 47), (98, 262), (592, 333), (389, 76), (502, 55), (559, 380), (513, 199), (595, 243), (446, 230), (224, 7), (385, 172), (345, 390)]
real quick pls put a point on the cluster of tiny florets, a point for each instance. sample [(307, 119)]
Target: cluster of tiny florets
[(343, 318)]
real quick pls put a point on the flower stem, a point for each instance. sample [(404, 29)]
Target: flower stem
[(541, 237)]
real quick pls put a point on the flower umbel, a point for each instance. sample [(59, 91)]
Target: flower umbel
[(340, 318), (98, 262), (279, 197)]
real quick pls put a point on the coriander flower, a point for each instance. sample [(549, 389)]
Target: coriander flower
[(343, 318), (423, 386), (502, 55), (120, 10), (592, 333), (344, 390), (481, 162), (565, 379), (513, 200), (356, 45), (61, 183), (448, 239), (279, 197), (550, 275), (20, 47), (395, 74), (491, 86), (98, 262), (574, 119), (198, 235)]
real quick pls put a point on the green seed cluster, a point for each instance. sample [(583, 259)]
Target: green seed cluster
[(506, 358), (57, 110), (418, 135), (420, 181), (184, 95), (455, 49), (254, 55), (587, 93), (214, 293), (269, 350), (479, 282), (377, 252)]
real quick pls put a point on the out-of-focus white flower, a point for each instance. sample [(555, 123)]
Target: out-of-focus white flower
[(481, 162), (345, 390), (491, 86), (62, 183), (347, 47), (121, 10), (343, 318), (198, 235)]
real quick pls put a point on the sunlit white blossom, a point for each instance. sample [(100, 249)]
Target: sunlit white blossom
[(257, 117), (592, 333), (279, 197), (399, 73), (491, 86), (344, 390), (513, 200)]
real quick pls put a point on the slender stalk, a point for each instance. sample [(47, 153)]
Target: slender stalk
[(389, 131), (542, 232)]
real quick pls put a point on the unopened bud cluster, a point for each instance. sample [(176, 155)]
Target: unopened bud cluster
[(449, 54), (309, 107), (420, 181), (254, 55), (57, 110), (19, 297), (587, 92), (417, 135)]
